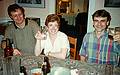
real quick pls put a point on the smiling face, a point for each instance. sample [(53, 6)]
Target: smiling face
[(53, 23), (100, 23), (17, 16), (53, 27)]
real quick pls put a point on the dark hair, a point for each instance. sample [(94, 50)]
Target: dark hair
[(102, 13), (52, 18), (13, 7)]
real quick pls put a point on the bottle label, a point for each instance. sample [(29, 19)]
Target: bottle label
[(21, 73)]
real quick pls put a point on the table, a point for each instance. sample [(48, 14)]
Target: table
[(12, 66)]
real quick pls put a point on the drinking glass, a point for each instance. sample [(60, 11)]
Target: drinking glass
[(111, 32), (117, 33), (43, 32), (36, 71), (117, 30), (109, 70)]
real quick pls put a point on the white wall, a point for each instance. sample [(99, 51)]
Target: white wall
[(29, 12), (99, 4)]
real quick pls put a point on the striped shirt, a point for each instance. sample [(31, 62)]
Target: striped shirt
[(99, 50)]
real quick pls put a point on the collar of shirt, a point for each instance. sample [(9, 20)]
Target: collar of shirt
[(26, 23), (104, 35)]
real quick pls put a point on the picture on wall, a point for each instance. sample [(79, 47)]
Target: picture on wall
[(112, 3), (31, 3)]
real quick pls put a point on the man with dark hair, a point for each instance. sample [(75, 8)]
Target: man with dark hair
[(97, 47), (22, 31)]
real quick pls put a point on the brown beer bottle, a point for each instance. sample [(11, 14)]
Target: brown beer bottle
[(8, 51), (22, 70), (46, 66)]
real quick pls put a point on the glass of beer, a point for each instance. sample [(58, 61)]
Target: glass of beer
[(111, 32), (117, 34), (44, 32), (36, 71), (117, 30)]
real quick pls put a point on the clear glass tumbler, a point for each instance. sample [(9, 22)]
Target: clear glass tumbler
[(44, 32)]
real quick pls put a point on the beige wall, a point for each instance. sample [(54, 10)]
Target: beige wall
[(29, 12), (50, 8), (38, 12), (3, 9)]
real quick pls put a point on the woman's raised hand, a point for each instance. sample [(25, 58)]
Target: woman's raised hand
[(40, 36)]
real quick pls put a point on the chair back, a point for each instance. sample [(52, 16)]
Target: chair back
[(73, 44)]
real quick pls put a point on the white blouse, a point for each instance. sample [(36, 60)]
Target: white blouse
[(60, 42)]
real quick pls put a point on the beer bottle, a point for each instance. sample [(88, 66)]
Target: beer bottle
[(46, 66), (8, 51), (22, 70)]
